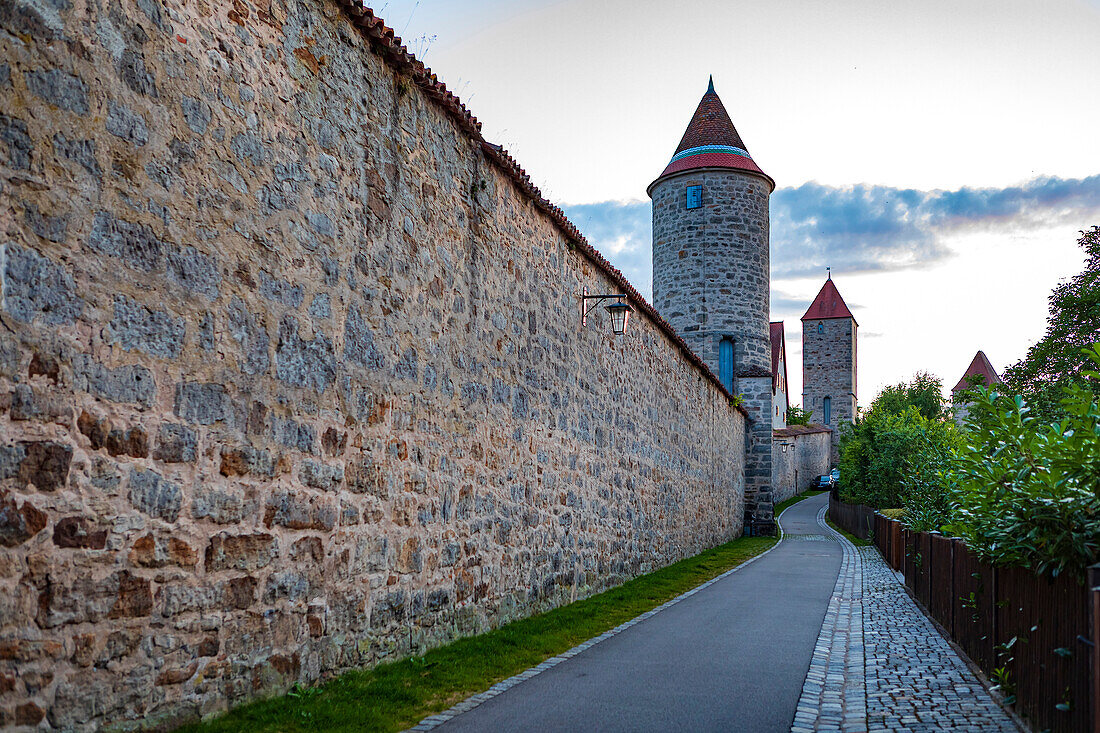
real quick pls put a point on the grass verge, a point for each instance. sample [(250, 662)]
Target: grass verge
[(851, 537), (397, 695), (794, 500)]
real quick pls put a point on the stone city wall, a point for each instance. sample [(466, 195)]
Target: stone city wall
[(292, 378), (807, 456)]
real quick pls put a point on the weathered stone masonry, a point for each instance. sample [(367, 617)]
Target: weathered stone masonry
[(291, 374), (800, 453)]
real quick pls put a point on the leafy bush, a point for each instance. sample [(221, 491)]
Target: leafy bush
[(1028, 491), (928, 494), (903, 433), (892, 513)]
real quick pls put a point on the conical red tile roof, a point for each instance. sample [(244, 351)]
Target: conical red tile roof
[(979, 367), (711, 141), (828, 304)]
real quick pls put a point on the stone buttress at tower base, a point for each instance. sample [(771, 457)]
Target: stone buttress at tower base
[(757, 395)]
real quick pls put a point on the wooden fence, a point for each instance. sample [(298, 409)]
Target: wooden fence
[(1033, 634)]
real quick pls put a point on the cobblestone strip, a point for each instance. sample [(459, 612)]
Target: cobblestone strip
[(833, 696), (900, 674), (915, 679), (434, 721)]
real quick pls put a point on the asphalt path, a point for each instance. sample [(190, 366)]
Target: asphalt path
[(732, 657)]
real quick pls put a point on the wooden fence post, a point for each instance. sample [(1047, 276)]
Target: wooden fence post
[(1094, 626)]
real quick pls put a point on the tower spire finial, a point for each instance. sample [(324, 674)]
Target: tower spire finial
[(829, 272), (710, 85)]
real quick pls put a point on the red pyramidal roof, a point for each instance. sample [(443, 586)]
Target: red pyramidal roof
[(711, 141), (828, 304), (979, 367)]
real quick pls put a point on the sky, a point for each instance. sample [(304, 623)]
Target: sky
[(940, 157)]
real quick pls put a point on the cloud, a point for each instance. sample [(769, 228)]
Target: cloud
[(861, 228), (872, 228), (623, 232)]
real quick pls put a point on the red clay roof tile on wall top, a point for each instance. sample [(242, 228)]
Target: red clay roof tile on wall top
[(391, 50)]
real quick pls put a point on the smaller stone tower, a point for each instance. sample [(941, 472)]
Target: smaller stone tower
[(829, 361)]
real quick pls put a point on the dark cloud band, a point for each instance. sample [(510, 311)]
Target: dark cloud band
[(859, 228)]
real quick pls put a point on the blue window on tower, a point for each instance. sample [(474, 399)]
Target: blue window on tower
[(725, 363), (695, 197), (827, 410)]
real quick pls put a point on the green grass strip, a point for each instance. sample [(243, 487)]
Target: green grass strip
[(794, 500), (397, 695), (851, 537)]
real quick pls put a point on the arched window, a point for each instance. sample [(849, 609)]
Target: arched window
[(827, 410), (821, 326), (725, 363)]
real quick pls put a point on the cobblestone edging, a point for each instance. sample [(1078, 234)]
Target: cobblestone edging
[(880, 664), (434, 721), (833, 696)]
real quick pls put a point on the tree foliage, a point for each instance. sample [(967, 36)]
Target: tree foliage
[(797, 416), (1057, 360)]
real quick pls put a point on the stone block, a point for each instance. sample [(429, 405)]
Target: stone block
[(299, 510), (124, 123), (79, 532), (219, 505), (154, 495), (204, 403), (359, 343), (13, 133), (155, 332), (322, 476), (149, 551), (247, 552), (36, 289), (246, 461), (175, 444), (45, 464), (127, 384), (301, 363), (59, 88), (133, 243), (194, 271), (19, 521)]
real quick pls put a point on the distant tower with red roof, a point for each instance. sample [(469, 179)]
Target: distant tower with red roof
[(711, 270), (980, 373), (829, 360)]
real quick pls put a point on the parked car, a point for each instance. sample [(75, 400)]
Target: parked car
[(825, 481)]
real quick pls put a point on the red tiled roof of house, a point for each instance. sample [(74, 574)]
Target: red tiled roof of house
[(778, 348), (979, 367), (792, 430), (828, 304), (711, 141), (389, 47)]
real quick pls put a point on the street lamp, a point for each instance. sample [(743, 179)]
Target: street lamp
[(620, 311)]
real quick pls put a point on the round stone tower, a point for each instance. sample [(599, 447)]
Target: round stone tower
[(711, 276)]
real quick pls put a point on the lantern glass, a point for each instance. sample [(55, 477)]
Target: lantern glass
[(620, 313)]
